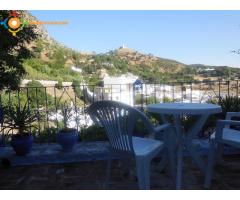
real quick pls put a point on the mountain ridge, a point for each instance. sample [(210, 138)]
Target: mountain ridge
[(53, 61)]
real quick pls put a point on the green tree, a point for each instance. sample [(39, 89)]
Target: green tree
[(13, 51)]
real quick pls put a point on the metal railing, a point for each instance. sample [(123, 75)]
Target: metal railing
[(48, 101)]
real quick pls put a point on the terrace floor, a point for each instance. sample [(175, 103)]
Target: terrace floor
[(90, 175)]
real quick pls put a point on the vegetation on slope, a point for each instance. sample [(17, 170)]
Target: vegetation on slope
[(44, 58)]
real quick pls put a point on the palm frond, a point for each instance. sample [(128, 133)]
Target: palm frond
[(18, 118)]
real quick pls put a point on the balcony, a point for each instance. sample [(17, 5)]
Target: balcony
[(83, 168)]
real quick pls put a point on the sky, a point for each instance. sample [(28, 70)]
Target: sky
[(191, 37)]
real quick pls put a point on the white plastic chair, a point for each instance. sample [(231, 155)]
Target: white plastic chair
[(223, 135), (119, 121)]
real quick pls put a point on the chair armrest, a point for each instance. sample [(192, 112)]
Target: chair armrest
[(161, 133), (160, 128), (228, 122), (229, 115), (221, 124)]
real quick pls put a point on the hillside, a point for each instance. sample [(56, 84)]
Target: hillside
[(135, 58), (54, 61)]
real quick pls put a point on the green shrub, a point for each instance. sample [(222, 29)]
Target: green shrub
[(167, 100), (139, 99), (228, 104), (47, 135), (76, 87), (151, 100), (93, 133), (37, 95)]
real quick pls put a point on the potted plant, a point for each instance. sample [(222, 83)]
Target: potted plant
[(19, 120), (67, 137)]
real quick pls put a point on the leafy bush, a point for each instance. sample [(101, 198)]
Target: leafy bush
[(167, 100), (228, 104), (149, 100), (13, 98), (139, 99), (76, 87), (46, 136), (37, 95), (93, 133)]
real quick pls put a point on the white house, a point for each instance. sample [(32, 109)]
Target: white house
[(119, 88)]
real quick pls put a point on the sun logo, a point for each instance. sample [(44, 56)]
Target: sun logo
[(13, 23)]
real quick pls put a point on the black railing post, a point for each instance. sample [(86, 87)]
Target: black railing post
[(46, 114), (142, 96), (219, 91), (102, 92), (84, 106), (56, 107), (146, 100), (173, 95), (228, 90), (191, 92), (237, 89), (155, 95), (38, 114), (164, 93), (120, 92), (111, 92), (182, 91), (75, 105)]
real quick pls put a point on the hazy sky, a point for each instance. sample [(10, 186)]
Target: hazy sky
[(205, 37)]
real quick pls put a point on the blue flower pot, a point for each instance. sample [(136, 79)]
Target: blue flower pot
[(22, 145), (67, 139)]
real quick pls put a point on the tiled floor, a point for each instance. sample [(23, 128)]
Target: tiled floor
[(90, 175)]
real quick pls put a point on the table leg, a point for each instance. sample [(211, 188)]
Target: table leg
[(177, 122), (164, 118), (189, 145), (171, 142)]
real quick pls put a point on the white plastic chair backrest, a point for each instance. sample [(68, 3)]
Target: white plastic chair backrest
[(119, 121)]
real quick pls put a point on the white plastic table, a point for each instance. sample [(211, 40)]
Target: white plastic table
[(177, 110)]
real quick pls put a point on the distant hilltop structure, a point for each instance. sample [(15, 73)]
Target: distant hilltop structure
[(123, 47)]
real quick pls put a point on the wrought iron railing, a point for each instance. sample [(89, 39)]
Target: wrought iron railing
[(47, 101)]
